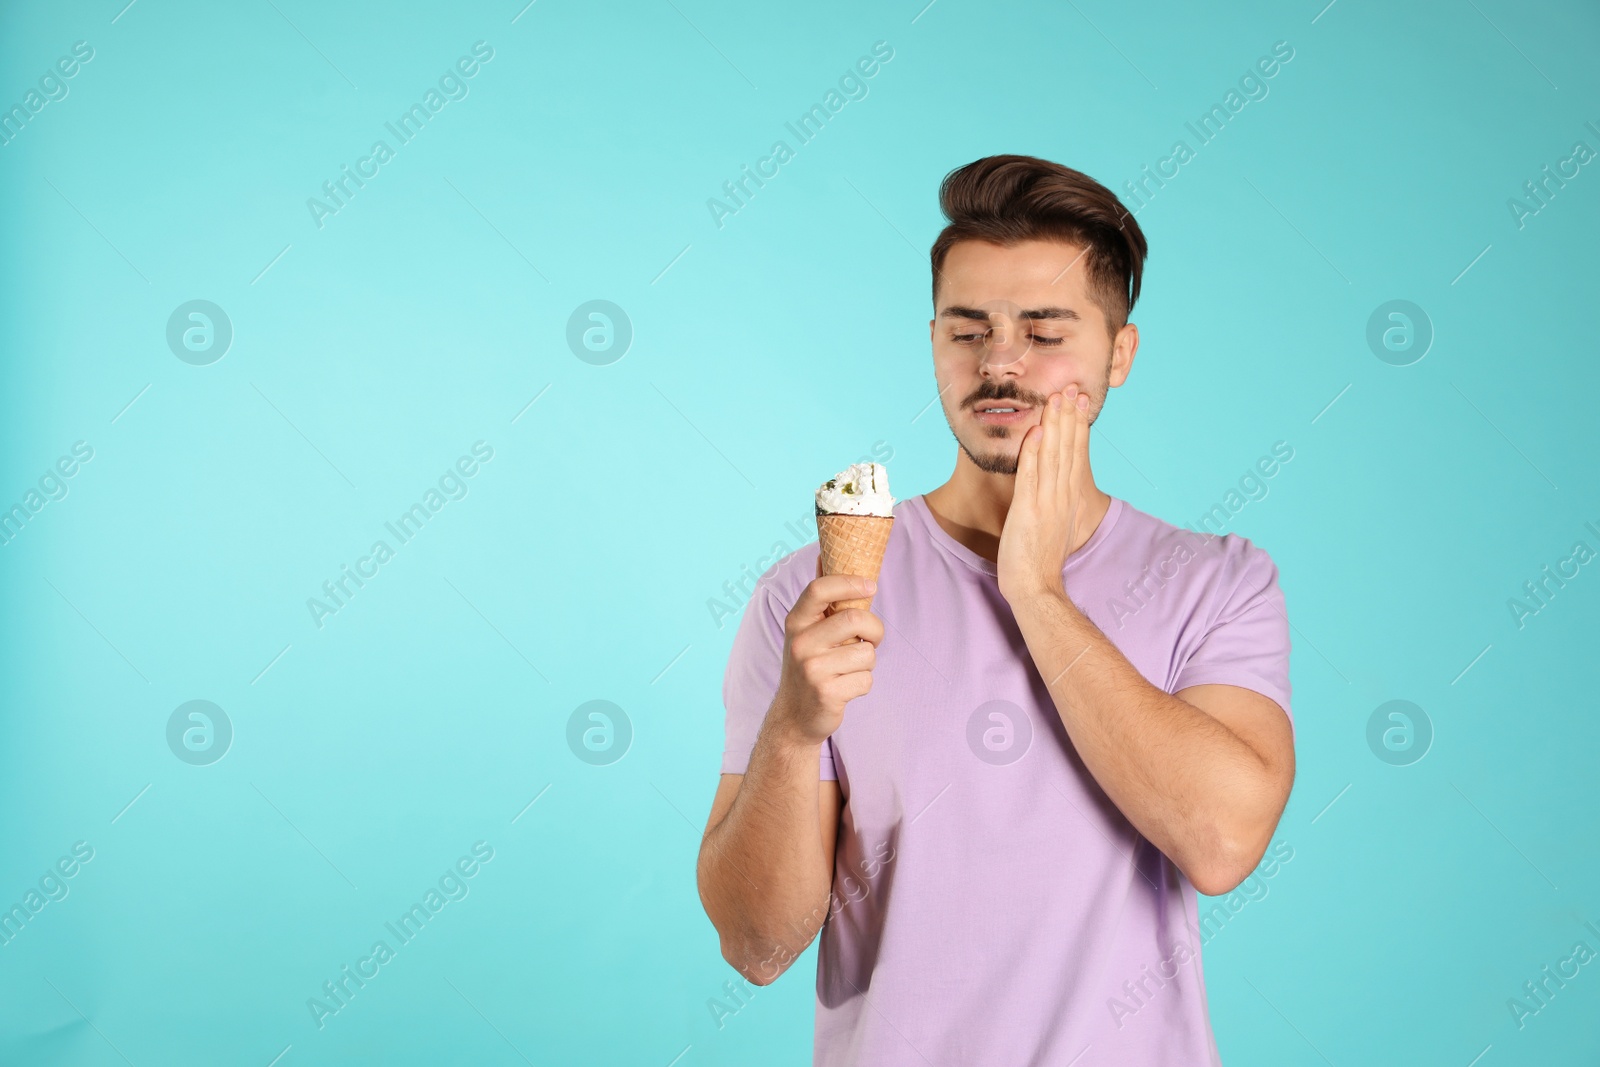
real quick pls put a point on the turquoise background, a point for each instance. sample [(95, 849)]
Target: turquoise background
[(367, 355)]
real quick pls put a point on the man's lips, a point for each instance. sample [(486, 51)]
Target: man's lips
[(1001, 418)]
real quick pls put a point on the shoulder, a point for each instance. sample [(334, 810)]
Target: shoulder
[(1220, 562), (787, 572), (788, 577)]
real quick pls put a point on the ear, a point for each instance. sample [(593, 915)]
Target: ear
[(1123, 350)]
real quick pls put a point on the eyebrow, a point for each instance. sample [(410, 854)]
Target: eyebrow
[(955, 311)]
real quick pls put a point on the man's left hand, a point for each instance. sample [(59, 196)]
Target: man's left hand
[(1044, 518)]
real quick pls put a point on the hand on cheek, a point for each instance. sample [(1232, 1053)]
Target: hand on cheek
[(1042, 521)]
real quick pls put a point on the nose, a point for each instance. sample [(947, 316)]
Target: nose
[(1001, 348)]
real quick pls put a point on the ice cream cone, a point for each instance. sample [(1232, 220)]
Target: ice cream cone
[(852, 544)]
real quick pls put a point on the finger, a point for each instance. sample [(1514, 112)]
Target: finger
[(844, 628), (857, 685), (811, 607), (1050, 453), (1070, 427), (848, 659), (1050, 446), (1072, 438), (1076, 461), (824, 665), (1080, 444), (1027, 462)]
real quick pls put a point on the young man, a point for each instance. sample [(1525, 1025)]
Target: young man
[(1064, 717)]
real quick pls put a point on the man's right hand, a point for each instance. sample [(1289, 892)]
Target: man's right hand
[(827, 660)]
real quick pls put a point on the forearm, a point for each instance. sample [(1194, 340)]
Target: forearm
[(763, 875), (1184, 780)]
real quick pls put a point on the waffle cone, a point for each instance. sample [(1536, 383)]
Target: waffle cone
[(853, 544)]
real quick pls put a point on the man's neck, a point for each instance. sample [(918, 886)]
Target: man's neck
[(971, 507)]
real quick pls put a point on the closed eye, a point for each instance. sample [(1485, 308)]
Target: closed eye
[(970, 338)]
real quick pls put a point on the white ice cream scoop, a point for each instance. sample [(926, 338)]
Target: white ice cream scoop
[(859, 489)]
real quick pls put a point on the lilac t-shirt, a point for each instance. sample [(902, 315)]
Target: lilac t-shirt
[(990, 903)]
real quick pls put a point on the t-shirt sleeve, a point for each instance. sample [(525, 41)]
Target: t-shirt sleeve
[(751, 681), (1247, 643)]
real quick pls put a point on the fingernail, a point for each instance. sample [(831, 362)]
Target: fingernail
[(1055, 400), (872, 586)]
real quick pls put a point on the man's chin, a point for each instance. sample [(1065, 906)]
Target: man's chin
[(991, 462)]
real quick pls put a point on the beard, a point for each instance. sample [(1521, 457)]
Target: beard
[(992, 462)]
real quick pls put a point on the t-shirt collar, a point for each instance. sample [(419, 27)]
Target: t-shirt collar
[(955, 548)]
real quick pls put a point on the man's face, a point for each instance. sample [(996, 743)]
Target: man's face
[(1011, 326)]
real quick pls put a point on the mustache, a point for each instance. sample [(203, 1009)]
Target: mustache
[(1002, 393)]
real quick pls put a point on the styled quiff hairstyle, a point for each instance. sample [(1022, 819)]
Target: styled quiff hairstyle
[(1008, 199)]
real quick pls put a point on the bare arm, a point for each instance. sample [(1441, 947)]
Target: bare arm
[(1205, 778), (765, 869), (765, 879)]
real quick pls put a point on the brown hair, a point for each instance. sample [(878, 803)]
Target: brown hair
[(1007, 199)]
